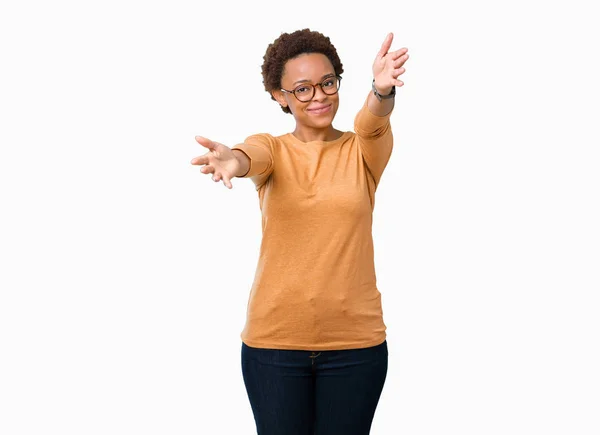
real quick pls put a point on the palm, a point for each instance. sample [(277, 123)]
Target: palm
[(219, 160), (387, 66), (222, 159)]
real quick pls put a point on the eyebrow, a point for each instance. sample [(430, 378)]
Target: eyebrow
[(306, 80)]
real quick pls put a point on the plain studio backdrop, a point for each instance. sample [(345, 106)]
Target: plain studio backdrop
[(125, 272)]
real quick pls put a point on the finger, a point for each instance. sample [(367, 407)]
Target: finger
[(399, 62), (387, 43), (399, 71), (200, 160), (227, 182), (206, 142), (397, 54), (207, 169)]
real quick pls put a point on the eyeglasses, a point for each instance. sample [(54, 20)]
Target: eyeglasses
[(305, 92)]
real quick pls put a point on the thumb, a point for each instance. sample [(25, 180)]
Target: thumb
[(206, 142), (387, 43)]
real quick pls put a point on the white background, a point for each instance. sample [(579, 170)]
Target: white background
[(125, 272)]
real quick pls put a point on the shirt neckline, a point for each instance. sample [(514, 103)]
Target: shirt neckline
[(317, 142)]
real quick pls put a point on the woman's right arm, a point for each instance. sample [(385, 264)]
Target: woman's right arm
[(259, 150), (252, 159)]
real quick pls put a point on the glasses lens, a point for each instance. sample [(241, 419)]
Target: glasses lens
[(331, 85), (304, 92)]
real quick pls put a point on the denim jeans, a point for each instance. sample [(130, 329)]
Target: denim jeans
[(300, 392)]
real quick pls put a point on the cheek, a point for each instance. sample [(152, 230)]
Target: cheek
[(336, 104), (298, 108)]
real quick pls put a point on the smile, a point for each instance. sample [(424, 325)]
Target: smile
[(320, 111)]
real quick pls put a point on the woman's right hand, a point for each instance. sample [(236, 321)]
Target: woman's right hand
[(219, 161)]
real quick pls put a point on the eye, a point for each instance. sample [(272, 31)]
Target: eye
[(301, 89), (329, 82)]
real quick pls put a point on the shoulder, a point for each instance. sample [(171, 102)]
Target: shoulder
[(264, 139), (267, 140)]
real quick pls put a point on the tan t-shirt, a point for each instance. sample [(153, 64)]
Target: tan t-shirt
[(315, 285)]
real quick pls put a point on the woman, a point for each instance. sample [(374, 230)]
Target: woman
[(314, 350)]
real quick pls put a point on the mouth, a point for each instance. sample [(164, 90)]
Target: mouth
[(320, 110)]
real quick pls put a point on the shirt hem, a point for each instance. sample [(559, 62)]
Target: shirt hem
[(322, 347)]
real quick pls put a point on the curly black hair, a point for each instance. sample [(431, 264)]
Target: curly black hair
[(290, 45)]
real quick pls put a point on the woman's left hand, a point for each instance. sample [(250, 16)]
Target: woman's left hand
[(388, 66)]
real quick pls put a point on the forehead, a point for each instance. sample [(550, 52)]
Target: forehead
[(309, 66)]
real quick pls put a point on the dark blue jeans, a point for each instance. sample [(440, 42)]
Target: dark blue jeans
[(300, 392)]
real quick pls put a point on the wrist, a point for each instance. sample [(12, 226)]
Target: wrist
[(383, 92), (243, 163)]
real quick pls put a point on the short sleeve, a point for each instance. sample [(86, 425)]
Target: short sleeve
[(259, 149), (375, 140)]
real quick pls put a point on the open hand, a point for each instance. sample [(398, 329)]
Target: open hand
[(219, 161), (388, 66)]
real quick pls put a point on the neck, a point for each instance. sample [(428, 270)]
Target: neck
[(309, 134)]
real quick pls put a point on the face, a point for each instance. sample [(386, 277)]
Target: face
[(303, 69)]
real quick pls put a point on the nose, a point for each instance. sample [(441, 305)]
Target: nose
[(319, 94)]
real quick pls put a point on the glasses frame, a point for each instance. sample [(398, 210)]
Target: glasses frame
[(314, 88)]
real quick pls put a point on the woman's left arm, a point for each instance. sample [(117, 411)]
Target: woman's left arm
[(387, 67), (372, 122)]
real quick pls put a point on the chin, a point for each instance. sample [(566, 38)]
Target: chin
[(323, 121)]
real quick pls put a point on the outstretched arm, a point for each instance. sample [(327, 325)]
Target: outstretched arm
[(372, 122)]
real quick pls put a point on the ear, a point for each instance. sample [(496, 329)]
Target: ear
[(280, 98)]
